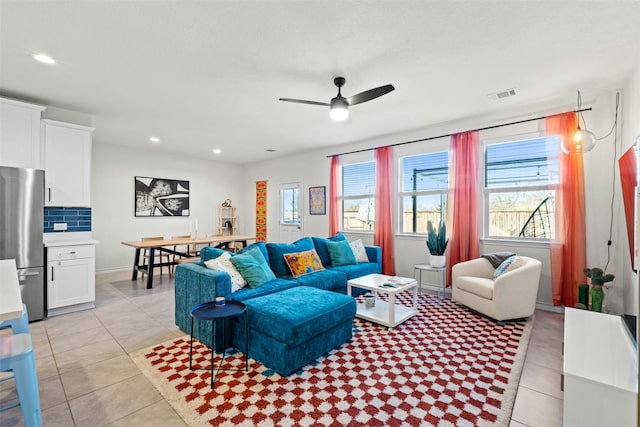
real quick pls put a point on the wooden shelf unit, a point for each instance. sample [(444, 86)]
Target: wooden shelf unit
[(226, 217)]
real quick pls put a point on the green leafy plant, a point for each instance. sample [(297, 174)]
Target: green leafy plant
[(437, 238)]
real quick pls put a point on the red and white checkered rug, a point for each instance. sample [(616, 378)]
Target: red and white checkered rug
[(447, 366)]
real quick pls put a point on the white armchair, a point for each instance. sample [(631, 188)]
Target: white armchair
[(511, 296)]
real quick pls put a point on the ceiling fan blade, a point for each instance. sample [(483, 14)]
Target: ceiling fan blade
[(302, 101), (370, 94)]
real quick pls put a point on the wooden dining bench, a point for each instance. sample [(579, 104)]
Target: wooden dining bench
[(190, 259)]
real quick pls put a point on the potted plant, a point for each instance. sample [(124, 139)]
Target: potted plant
[(598, 279), (437, 243)]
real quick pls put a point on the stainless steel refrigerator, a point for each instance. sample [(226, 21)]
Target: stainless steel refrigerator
[(21, 224)]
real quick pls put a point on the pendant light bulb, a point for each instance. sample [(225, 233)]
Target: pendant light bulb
[(582, 141)]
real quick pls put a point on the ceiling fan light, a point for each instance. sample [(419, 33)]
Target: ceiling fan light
[(339, 114), (339, 110)]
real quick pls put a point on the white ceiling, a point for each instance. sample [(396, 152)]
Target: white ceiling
[(208, 74)]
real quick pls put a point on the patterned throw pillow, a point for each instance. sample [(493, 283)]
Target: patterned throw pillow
[(359, 251), (223, 263), (517, 262), (303, 262), (502, 268)]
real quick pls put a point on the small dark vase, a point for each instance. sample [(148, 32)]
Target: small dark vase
[(583, 294), (597, 297)]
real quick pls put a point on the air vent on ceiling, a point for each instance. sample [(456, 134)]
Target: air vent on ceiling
[(502, 94)]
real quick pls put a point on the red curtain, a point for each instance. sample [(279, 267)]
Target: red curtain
[(383, 233), (334, 191), (568, 251), (628, 181), (462, 211)]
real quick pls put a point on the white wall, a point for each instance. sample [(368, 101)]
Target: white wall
[(313, 169), (112, 192), (604, 193)]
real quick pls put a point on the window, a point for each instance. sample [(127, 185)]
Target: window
[(289, 209), (423, 190), (520, 181), (358, 196)]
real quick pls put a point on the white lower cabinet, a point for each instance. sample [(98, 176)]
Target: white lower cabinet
[(600, 371), (70, 278)]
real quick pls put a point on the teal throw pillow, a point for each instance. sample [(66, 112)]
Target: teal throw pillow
[(341, 253), (208, 253), (253, 267), (321, 247), (503, 267)]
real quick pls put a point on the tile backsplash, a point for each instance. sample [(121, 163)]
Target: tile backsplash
[(77, 219)]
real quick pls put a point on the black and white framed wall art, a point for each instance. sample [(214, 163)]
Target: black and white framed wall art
[(161, 197)]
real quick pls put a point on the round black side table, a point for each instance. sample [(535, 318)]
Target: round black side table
[(210, 311)]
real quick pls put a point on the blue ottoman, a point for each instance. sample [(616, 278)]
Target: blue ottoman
[(292, 328)]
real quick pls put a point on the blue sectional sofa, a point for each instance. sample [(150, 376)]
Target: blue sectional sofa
[(286, 340), (195, 284)]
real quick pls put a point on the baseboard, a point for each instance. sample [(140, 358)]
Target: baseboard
[(70, 309), (548, 307), (113, 270), (432, 289)]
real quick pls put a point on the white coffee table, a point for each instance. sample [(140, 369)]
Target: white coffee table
[(385, 313)]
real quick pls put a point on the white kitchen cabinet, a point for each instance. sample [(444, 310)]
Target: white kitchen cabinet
[(70, 278), (600, 370), (67, 164), (20, 143)]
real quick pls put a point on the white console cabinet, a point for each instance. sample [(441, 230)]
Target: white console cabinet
[(600, 371), (70, 278), (67, 164), (20, 144)]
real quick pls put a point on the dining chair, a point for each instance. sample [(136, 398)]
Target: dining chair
[(159, 256), (17, 358), (190, 250)]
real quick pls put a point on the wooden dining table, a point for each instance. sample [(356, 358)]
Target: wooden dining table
[(168, 245)]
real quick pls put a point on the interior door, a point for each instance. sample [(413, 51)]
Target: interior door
[(290, 212)]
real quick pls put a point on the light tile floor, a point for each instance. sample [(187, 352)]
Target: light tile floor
[(87, 378)]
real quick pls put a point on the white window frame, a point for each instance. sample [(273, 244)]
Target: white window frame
[(486, 192), (402, 194), (285, 187), (342, 198)]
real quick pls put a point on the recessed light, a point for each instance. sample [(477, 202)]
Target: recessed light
[(154, 139), (216, 151), (46, 59)]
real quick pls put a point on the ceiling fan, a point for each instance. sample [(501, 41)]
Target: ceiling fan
[(339, 106)]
